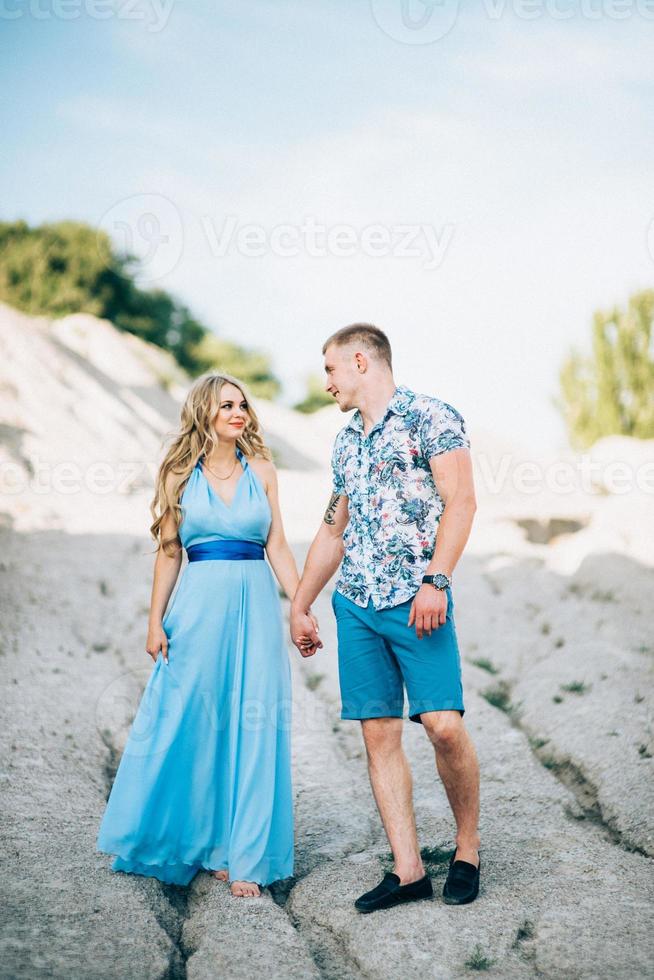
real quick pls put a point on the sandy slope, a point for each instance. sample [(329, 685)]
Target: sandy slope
[(557, 643)]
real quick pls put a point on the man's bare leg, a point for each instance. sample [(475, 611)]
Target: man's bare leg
[(392, 787), (458, 767)]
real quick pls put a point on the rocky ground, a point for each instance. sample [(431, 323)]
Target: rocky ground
[(566, 793)]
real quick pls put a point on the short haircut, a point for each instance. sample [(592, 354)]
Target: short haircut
[(369, 336)]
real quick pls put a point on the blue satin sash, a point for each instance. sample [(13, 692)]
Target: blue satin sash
[(230, 549)]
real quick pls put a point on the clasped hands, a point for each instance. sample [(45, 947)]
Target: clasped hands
[(304, 631), (428, 611)]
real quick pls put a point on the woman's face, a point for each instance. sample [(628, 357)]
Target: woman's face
[(232, 415)]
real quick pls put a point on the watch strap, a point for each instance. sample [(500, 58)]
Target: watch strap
[(429, 580)]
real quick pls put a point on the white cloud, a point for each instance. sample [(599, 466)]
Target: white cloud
[(534, 149), (542, 237), (97, 115)]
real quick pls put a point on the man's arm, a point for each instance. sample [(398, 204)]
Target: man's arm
[(452, 472), (324, 557)]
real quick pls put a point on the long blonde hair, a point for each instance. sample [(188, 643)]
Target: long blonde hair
[(195, 438)]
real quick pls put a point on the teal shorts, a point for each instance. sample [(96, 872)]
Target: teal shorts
[(379, 655)]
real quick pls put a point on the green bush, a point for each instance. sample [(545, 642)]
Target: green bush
[(611, 392), (69, 267), (315, 398)]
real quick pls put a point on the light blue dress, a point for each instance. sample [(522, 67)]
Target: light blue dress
[(205, 777)]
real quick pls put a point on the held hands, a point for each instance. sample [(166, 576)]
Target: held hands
[(304, 632), (428, 610), (157, 640)]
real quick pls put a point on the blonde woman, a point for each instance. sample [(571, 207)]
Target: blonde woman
[(204, 781)]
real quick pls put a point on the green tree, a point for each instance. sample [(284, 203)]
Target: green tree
[(315, 398), (55, 269), (251, 366), (70, 267), (612, 391)]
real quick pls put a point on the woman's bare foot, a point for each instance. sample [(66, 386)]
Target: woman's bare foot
[(245, 889), (222, 875)]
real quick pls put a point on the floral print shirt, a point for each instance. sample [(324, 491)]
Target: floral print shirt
[(393, 502)]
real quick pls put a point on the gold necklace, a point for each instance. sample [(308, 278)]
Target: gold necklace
[(223, 477)]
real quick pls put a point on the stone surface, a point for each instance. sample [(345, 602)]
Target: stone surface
[(63, 646)]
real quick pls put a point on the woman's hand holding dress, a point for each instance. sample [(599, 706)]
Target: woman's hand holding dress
[(157, 641)]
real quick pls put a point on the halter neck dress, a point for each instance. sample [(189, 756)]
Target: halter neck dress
[(204, 780)]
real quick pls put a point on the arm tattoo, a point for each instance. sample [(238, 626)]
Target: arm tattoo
[(331, 509)]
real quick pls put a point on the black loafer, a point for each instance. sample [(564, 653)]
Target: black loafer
[(462, 883), (390, 892)]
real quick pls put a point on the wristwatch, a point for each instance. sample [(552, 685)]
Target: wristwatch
[(439, 580)]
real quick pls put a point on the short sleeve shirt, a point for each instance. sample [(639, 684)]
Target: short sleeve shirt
[(393, 502)]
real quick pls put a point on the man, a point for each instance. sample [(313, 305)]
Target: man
[(402, 470)]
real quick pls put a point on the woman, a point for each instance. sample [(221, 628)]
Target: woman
[(204, 780)]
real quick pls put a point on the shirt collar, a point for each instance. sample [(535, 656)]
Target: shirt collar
[(398, 405)]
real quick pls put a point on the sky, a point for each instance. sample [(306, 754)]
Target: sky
[(475, 179)]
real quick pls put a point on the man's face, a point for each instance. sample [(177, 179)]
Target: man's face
[(341, 376)]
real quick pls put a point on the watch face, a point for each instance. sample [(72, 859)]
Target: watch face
[(441, 581)]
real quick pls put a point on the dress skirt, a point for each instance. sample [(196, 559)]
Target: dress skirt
[(205, 777)]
